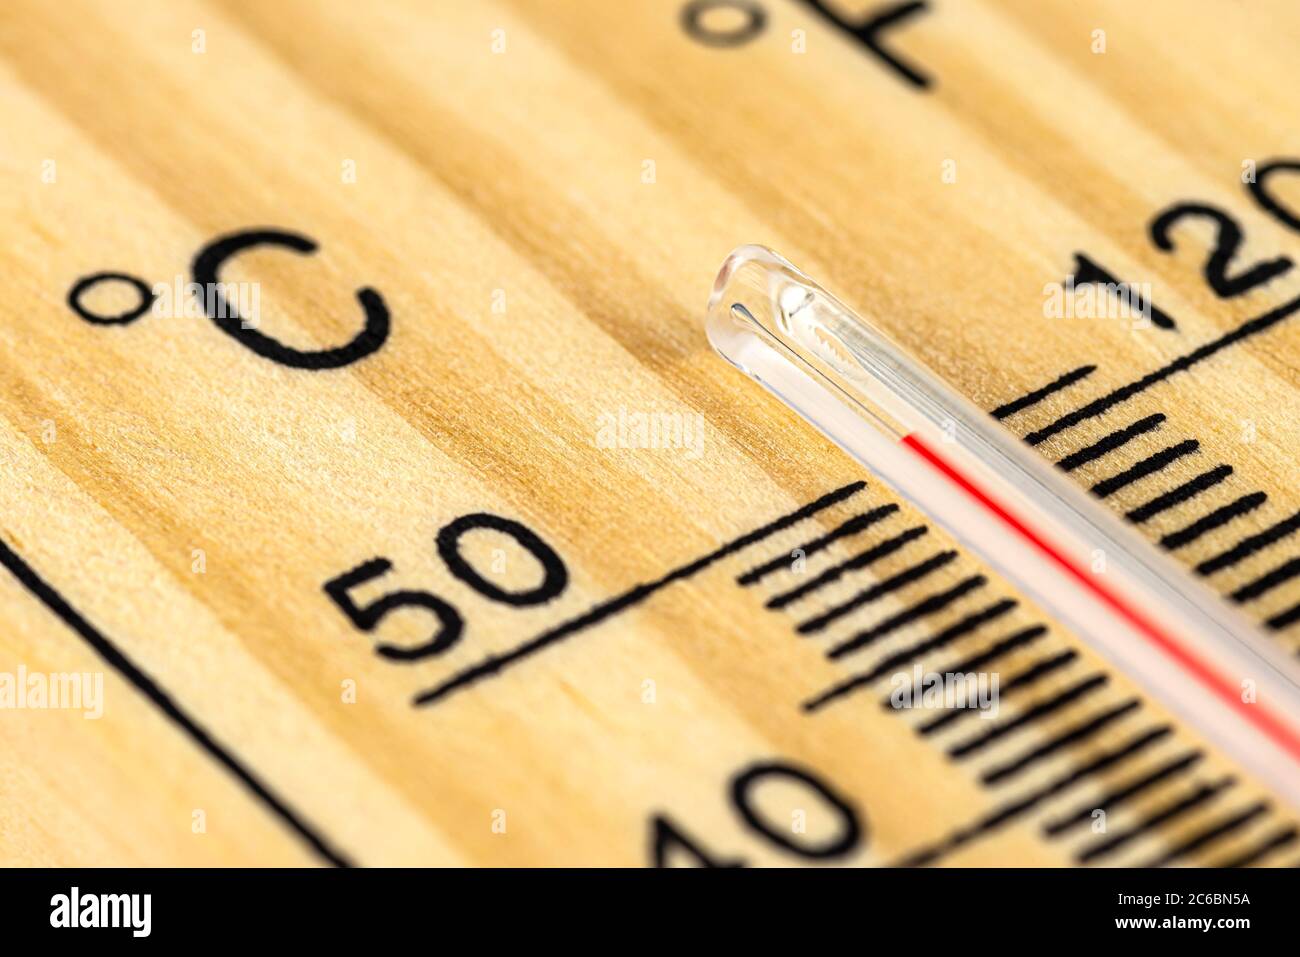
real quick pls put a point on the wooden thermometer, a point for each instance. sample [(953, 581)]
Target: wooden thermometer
[(372, 490)]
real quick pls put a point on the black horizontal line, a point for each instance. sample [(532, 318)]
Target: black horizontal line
[(1035, 713), (1283, 837), (1034, 673), (1207, 523), (1268, 581), (494, 664), (1140, 470), (992, 653), (1038, 395), (923, 608), (1189, 489), (894, 661), (1181, 364), (854, 525), (1250, 545), (1110, 443), (868, 595), (1178, 808), (1071, 737), (856, 563), (1108, 802), (1220, 829), (1284, 619), (1011, 810)]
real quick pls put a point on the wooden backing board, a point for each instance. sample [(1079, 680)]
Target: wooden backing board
[(541, 193)]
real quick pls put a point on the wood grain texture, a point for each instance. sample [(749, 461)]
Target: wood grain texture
[(538, 285)]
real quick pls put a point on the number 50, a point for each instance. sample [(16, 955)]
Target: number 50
[(450, 624)]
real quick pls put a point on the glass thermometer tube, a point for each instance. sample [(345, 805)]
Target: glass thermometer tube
[(1069, 553)]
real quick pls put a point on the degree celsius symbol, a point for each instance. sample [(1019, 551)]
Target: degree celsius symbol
[(206, 273)]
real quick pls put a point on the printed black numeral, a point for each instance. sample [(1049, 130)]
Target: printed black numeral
[(1086, 271), (1227, 242), (555, 578), (665, 835), (866, 28), (1266, 200), (368, 617)]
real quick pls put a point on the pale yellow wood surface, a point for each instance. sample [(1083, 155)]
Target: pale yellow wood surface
[(518, 178)]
